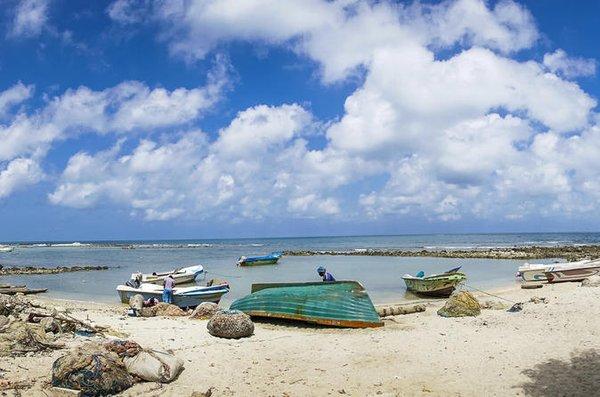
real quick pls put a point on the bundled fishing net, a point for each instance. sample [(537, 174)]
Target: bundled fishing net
[(205, 310), (123, 348), (230, 324), (162, 309), (19, 338), (93, 370)]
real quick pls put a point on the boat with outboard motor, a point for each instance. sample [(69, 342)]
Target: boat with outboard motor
[(181, 275), (182, 296)]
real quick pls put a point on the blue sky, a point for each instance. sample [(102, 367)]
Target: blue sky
[(137, 119)]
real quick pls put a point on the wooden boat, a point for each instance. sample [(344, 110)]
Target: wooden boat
[(568, 272), (181, 276), (20, 289), (270, 259), (182, 296), (441, 285), (531, 272), (339, 304)]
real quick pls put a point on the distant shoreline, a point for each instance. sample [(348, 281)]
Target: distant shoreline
[(567, 252)]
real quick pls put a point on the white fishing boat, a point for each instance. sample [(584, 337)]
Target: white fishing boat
[(181, 276), (567, 272), (531, 272), (6, 248), (182, 296)]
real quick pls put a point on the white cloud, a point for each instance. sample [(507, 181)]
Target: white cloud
[(559, 62), (14, 96), (472, 134), (18, 173), (31, 16), (193, 177)]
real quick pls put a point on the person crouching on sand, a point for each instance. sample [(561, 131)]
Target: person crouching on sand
[(168, 286), (325, 274)]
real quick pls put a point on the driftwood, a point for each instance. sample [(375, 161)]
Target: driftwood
[(70, 320), (399, 309)]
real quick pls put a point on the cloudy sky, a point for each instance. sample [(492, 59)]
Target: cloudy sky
[(227, 118)]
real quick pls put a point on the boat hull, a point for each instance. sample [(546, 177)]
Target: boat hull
[(436, 286), (577, 274), (338, 304), (181, 276), (259, 262), (192, 299), (534, 275)]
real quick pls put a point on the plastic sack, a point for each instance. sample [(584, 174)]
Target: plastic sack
[(154, 366)]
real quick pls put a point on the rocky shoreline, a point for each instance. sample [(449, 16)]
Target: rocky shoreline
[(567, 252), (30, 270)]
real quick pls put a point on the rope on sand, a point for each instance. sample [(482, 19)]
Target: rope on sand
[(516, 307)]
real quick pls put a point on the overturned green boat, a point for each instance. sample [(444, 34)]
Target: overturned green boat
[(339, 303), (440, 285)]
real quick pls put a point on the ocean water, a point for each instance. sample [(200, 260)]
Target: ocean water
[(380, 275)]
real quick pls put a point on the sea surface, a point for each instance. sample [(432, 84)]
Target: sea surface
[(382, 276)]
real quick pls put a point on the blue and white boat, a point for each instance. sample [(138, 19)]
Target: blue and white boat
[(182, 296), (270, 259)]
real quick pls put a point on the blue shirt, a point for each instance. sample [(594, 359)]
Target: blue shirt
[(328, 277)]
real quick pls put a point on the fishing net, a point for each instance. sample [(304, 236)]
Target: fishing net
[(205, 310), (93, 370), (123, 348), (162, 309), (230, 324), (19, 338)]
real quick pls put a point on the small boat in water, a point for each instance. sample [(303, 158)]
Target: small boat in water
[(270, 259), (182, 296), (339, 303), (181, 276), (441, 285), (20, 289), (572, 271), (6, 248)]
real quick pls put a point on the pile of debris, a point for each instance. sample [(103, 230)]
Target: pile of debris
[(102, 369), (27, 327)]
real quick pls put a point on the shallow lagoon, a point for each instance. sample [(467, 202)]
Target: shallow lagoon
[(380, 275)]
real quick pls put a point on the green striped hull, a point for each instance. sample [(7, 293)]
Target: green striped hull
[(340, 304)]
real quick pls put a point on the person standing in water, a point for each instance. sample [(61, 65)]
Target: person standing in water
[(168, 286), (327, 277)]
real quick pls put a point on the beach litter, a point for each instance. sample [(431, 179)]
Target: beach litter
[(154, 366), (517, 307), (460, 304), (231, 324), (537, 300), (93, 370), (494, 305), (204, 311)]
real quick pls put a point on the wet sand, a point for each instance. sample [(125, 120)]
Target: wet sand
[(546, 349)]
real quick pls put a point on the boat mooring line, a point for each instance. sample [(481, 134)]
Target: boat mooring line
[(487, 293)]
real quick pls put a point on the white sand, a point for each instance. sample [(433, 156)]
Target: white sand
[(416, 354)]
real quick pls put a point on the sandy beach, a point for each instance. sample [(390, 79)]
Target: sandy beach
[(546, 349)]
